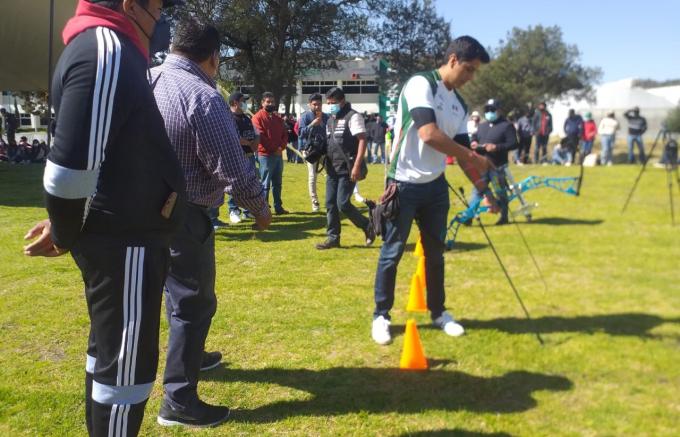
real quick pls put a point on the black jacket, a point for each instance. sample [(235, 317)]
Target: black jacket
[(342, 145), (111, 169), (501, 133)]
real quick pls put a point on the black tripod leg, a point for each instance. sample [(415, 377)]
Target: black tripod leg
[(642, 170), (669, 178)]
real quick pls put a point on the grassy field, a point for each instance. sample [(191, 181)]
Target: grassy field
[(294, 324)]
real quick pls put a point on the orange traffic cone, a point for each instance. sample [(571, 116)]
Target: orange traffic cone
[(420, 272), (419, 252), (413, 356), (416, 296)]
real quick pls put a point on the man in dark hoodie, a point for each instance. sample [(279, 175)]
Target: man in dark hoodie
[(495, 138), (115, 194)]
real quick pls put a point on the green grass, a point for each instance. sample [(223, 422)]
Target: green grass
[(294, 323)]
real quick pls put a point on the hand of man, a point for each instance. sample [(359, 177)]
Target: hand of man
[(315, 122), (475, 167), (262, 222), (355, 175), (43, 246), (490, 147)]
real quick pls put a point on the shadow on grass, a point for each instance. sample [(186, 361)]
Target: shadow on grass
[(21, 185), (560, 221), (625, 324), (457, 432), (347, 390), (283, 228), (458, 246)]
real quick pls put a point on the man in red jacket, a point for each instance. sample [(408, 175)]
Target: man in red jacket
[(273, 140)]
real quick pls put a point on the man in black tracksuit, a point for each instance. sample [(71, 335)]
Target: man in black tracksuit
[(114, 194), (495, 138)]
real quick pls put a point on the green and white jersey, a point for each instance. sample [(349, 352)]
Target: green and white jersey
[(413, 160)]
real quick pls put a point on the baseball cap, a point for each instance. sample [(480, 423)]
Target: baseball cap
[(475, 114), (492, 104), (236, 96)]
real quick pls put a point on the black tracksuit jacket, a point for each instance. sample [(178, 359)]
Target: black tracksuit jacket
[(111, 169)]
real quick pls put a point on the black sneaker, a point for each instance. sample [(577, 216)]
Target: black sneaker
[(217, 224), (369, 232), (200, 415), (210, 360), (502, 221), (282, 212), (328, 244)]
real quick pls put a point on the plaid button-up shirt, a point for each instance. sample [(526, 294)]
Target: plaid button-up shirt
[(203, 132)]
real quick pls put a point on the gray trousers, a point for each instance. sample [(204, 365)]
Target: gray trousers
[(190, 304)]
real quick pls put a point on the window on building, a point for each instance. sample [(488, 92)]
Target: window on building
[(310, 87), (25, 120), (369, 87), (360, 87)]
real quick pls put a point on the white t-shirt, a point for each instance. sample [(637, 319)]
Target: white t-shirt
[(356, 125), (417, 162), (608, 126)]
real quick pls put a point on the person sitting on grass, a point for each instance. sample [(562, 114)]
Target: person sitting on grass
[(562, 153)]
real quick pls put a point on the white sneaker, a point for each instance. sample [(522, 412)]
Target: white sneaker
[(315, 206), (448, 324), (235, 217), (359, 198), (381, 331)]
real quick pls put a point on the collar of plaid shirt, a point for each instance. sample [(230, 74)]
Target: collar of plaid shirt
[(182, 63)]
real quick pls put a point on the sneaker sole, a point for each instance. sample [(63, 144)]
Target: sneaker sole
[(210, 367), (167, 422)]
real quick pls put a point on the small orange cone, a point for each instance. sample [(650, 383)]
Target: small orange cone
[(413, 356), (419, 252), (416, 296), (420, 272)]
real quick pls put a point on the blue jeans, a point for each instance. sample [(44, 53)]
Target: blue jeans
[(233, 207), (501, 196), (607, 143), (374, 147), (339, 189), (632, 139), (541, 150), (429, 204), (271, 174), (561, 156), (587, 148)]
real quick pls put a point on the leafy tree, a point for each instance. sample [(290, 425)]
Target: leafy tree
[(651, 83), (34, 102), (411, 38), (533, 65), (673, 120), (270, 43)]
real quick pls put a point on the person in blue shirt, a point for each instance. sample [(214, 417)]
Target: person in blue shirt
[(312, 121)]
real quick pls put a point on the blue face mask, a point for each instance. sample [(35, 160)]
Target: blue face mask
[(491, 116), (335, 108), (244, 107), (159, 40)]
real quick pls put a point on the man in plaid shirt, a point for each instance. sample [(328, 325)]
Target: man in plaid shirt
[(202, 130)]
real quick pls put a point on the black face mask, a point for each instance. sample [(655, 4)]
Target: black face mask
[(160, 38), (270, 108), (159, 41)]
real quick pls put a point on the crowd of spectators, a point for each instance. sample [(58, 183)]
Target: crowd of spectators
[(581, 134)]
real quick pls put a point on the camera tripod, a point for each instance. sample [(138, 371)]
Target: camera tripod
[(670, 161)]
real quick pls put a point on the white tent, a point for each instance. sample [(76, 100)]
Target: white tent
[(25, 41), (619, 96)]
